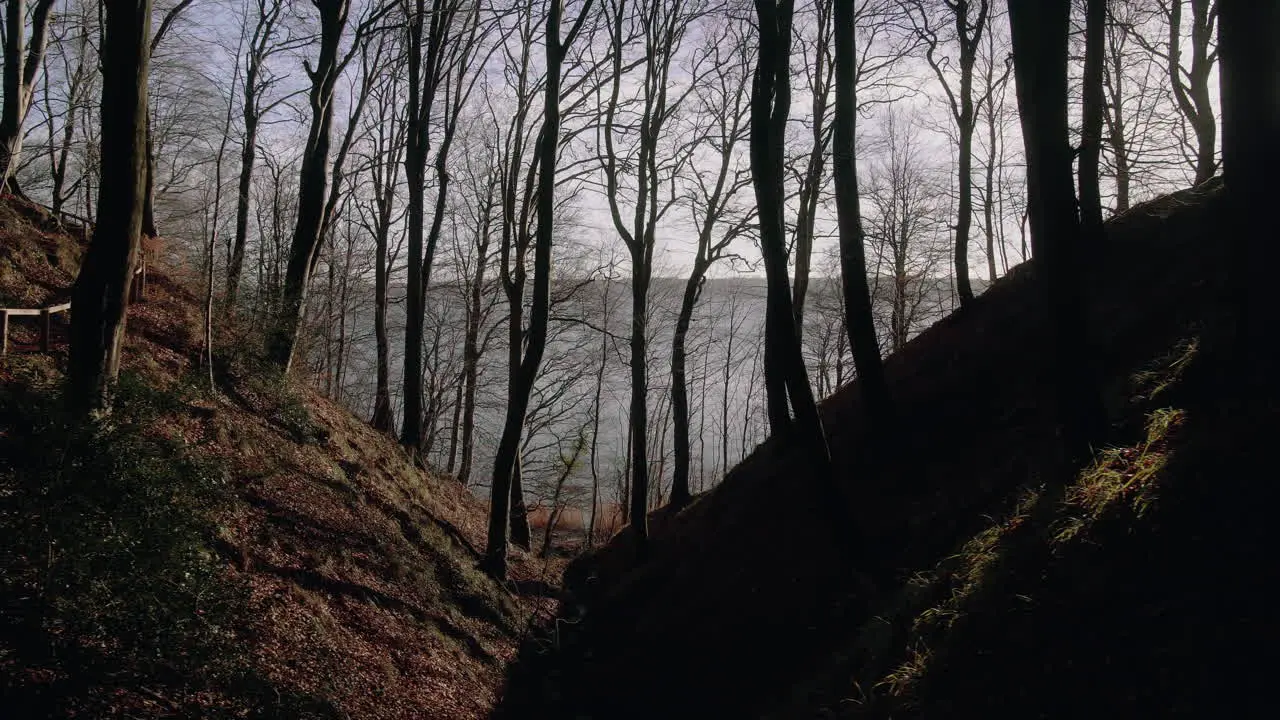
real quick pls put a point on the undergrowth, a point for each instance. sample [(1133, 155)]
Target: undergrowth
[(1044, 520), (110, 580)]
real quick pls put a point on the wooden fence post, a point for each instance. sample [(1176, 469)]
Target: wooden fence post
[(4, 328), (46, 329)]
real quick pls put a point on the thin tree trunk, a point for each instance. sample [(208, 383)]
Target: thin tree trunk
[(383, 419), (1091, 124), (680, 494)]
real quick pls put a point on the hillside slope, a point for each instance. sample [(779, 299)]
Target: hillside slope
[(992, 572), (334, 578)]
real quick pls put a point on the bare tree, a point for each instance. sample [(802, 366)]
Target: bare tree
[(657, 29), (23, 59), (387, 127), (906, 225), (1091, 121), (859, 321), (504, 466), (1039, 31), (258, 82), (149, 200), (969, 21), (101, 292), (785, 374), (76, 84), (723, 102), (313, 178), (818, 67)]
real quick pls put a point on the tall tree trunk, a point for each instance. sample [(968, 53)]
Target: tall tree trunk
[(520, 535), (101, 291), (21, 64), (969, 37), (471, 357), (421, 91), (811, 182), (313, 181), (859, 322), (1251, 154), (1039, 30), (504, 464), (1091, 125), (785, 374)]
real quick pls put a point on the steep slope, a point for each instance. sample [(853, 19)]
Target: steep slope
[(742, 608), (252, 550)]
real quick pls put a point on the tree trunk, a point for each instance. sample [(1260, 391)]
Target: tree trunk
[(383, 419), (859, 322), (1251, 154), (1091, 124), (149, 187), (313, 180), (967, 122), (248, 155), (680, 494), (1113, 113), (504, 465), (471, 358), (520, 535), (1192, 94), (639, 411), (21, 64), (101, 291), (1039, 30), (785, 374), (811, 183)]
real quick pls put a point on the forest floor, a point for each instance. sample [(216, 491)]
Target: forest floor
[(246, 549), (995, 579)]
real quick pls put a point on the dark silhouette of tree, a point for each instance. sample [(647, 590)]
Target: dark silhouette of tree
[(313, 182), (859, 322), (507, 458), (970, 21), (1251, 156), (1039, 32), (149, 194), (785, 374), (724, 101), (23, 58), (258, 81), (1095, 38), (100, 296), (313, 176), (426, 73)]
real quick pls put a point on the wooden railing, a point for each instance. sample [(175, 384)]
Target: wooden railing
[(137, 289), (137, 293)]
